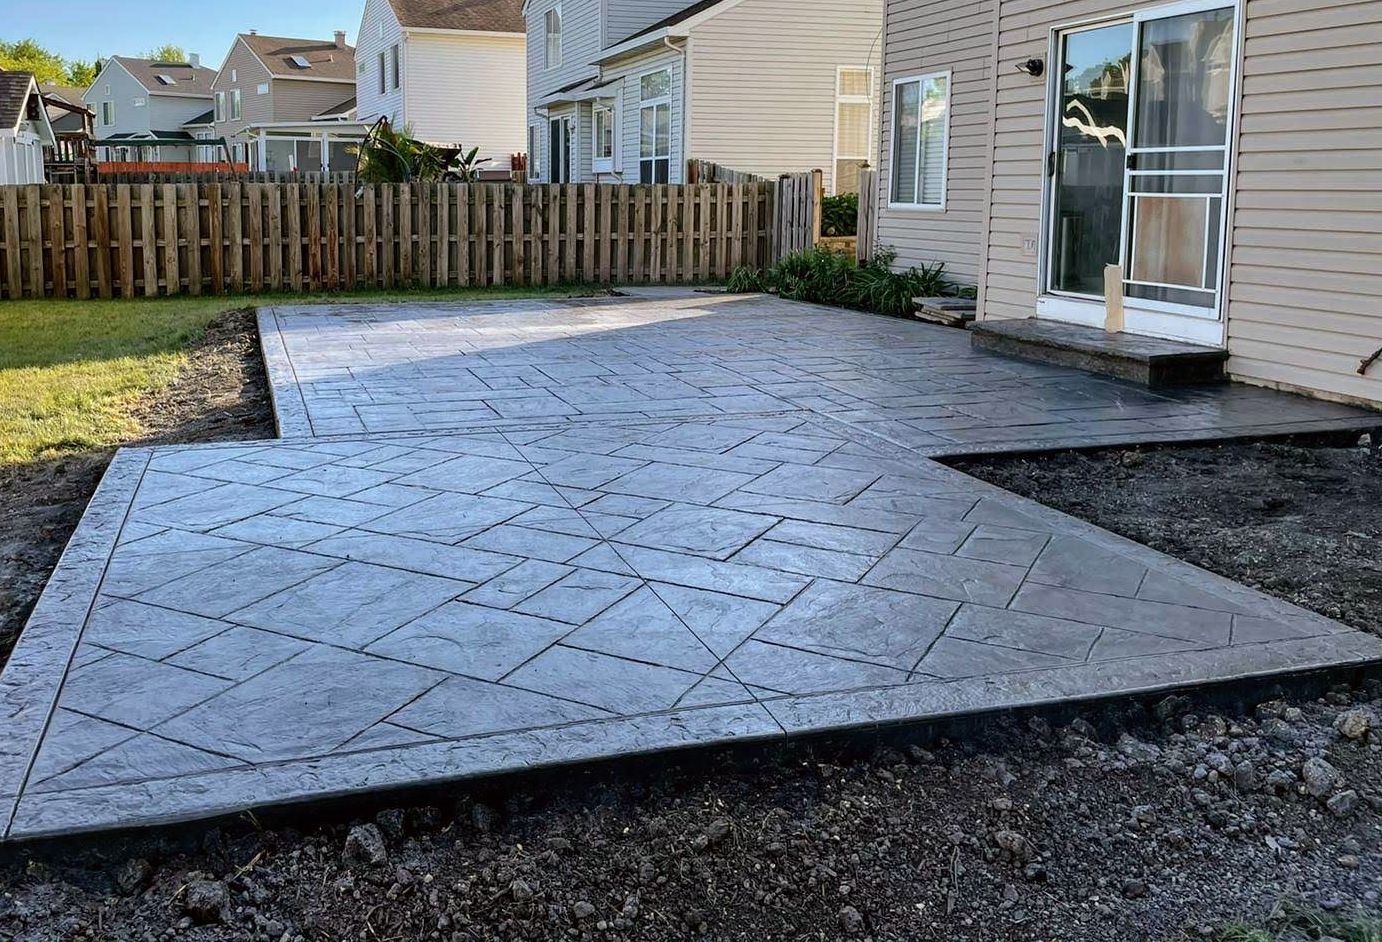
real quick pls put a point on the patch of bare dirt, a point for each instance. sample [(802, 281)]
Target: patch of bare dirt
[(222, 394), (1302, 522)]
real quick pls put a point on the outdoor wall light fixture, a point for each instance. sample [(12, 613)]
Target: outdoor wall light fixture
[(1033, 67)]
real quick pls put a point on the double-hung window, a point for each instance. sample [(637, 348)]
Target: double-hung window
[(235, 107), (853, 126), (655, 127), (920, 138), (602, 145), (108, 113), (220, 106), (552, 25)]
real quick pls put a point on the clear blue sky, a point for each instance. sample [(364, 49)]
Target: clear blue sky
[(84, 29)]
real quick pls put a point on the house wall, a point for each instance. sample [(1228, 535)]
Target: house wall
[(1306, 230), (300, 100), (379, 31), (467, 90), (763, 81), (170, 112), (581, 36), (628, 73), (922, 37), (249, 74), (117, 85), (623, 18), (1305, 274)]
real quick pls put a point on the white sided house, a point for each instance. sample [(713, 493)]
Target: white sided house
[(630, 90), (1199, 171), (450, 71), (24, 129), (141, 108)]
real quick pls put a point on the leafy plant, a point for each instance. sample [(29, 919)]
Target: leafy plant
[(840, 215), (824, 277), (388, 155)]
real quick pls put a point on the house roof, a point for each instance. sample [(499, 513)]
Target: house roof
[(335, 111), (205, 119), (187, 79), (63, 93), (14, 93), (684, 14), (281, 55), (483, 16)]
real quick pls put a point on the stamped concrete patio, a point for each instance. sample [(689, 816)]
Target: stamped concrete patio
[(513, 535)]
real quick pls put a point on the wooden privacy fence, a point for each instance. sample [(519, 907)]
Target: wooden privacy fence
[(148, 240)]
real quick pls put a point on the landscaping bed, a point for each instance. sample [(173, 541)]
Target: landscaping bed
[(1298, 520)]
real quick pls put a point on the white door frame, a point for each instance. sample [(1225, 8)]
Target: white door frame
[(1157, 319)]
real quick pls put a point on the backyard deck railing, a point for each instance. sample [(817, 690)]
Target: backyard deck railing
[(109, 240)]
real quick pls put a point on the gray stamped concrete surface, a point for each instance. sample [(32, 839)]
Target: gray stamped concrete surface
[(250, 624)]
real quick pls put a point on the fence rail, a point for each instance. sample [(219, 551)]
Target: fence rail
[(147, 240)]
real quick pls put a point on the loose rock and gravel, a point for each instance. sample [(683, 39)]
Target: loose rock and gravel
[(1165, 822)]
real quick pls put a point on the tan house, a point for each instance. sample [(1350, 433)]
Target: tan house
[(1212, 166), (630, 90), (284, 104)]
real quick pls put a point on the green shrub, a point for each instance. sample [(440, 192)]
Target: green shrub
[(824, 277), (840, 215)]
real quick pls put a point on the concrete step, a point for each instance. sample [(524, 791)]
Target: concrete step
[(1146, 360)]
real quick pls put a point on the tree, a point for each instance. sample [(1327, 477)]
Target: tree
[(26, 55), (167, 53), (82, 74)]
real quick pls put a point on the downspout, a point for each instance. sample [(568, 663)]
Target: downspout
[(685, 110)]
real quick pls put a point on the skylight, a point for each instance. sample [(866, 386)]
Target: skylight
[(300, 62), (166, 80)]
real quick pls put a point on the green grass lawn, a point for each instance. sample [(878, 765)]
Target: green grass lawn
[(70, 370)]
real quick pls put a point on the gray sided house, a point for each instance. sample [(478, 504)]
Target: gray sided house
[(1202, 171), (141, 107), (626, 91), (284, 104)]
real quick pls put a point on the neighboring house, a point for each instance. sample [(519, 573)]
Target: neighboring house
[(284, 104), (24, 129), (70, 157), (1241, 206), (630, 90), (450, 71), (66, 111), (141, 107)]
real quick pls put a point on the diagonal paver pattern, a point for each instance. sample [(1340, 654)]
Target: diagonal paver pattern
[(252, 624)]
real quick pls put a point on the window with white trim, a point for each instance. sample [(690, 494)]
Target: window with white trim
[(602, 137), (552, 24), (383, 80), (220, 106), (655, 127), (395, 68), (853, 126), (235, 110), (108, 113), (534, 152), (920, 138)]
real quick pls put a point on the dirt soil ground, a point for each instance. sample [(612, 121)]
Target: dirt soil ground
[(1299, 521), (221, 395)]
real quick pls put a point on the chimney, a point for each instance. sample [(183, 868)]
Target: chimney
[(340, 38), (194, 60)]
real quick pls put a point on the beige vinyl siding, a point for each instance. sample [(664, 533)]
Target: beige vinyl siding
[(623, 18), (924, 37), (467, 90), (299, 100), (250, 73), (1305, 274), (763, 81), (379, 31)]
